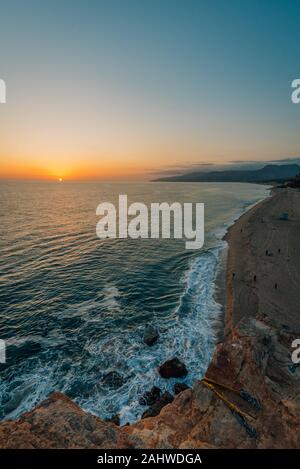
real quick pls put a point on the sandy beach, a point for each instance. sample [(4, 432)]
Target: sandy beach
[(263, 270), (251, 398)]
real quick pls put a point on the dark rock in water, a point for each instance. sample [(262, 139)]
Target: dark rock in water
[(150, 397), (179, 387), (173, 368), (155, 409), (113, 380), (151, 335), (114, 419)]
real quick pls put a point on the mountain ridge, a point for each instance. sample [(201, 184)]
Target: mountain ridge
[(269, 173)]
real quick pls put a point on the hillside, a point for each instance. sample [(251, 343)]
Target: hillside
[(269, 173)]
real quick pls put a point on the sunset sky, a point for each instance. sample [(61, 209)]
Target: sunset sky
[(123, 89)]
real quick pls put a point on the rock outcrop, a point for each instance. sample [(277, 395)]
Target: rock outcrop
[(156, 407), (197, 417), (151, 336), (173, 368), (59, 423), (179, 387), (150, 397)]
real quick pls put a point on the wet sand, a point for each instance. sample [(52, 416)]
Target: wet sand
[(263, 266)]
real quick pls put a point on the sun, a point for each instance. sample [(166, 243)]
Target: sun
[(60, 179)]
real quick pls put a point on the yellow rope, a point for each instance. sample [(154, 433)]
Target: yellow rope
[(221, 385), (229, 404)]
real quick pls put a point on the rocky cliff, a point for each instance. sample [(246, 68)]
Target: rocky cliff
[(198, 417)]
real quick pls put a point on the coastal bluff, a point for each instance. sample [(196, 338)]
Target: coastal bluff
[(251, 396)]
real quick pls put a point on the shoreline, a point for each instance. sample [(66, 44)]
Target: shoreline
[(253, 358), (264, 241), (221, 280)]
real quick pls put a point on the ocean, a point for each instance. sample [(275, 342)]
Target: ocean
[(75, 308)]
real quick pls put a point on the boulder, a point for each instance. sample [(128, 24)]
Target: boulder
[(155, 409), (173, 368), (113, 380), (150, 397), (151, 335), (179, 387)]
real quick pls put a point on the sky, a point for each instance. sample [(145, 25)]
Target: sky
[(125, 89)]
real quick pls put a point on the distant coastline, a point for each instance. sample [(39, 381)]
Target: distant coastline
[(268, 174)]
